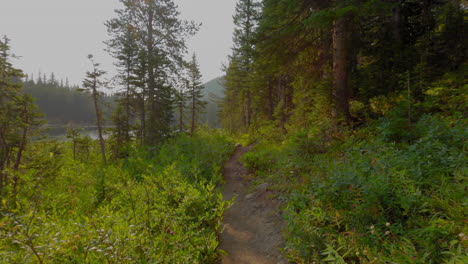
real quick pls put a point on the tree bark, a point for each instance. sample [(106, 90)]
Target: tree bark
[(396, 21), (192, 130), (127, 105), (142, 120), (21, 148), (181, 112), (342, 40), (152, 118), (271, 105)]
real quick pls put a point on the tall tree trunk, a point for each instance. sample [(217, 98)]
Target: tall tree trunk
[(271, 105), (3, 157), (181, 110), (3, 176), (150, 134), (142, 120), (17, 164), (342, 40), (21, 148), (396, 21), (249, 107), (99, 125), (181, 118), (192, 130), (127, 106)]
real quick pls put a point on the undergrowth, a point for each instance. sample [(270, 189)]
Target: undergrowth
[(372, 198), (153, 207)]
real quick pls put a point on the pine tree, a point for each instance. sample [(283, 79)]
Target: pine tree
[(18, 117), (9, 96), (195, 93), (239, 85), (91, 84), (245, 19), (180, 101), (123, 46), (161, 38)]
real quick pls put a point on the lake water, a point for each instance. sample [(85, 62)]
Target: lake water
[(60, 133)]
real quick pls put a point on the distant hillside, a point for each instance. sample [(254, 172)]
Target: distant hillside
[(214, 93)]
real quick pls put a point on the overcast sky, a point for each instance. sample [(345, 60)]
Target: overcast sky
[(57, 35)]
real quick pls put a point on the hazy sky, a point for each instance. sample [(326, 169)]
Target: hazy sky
[(57, 35)]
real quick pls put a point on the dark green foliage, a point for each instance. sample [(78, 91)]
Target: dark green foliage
[(237, 107), (19, 120), (298, 77), (370, 198), (148, 40), (359, 113)]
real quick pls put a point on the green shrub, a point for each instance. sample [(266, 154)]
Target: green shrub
[(383, 196), (150, 208)]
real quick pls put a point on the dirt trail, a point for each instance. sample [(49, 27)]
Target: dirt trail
[(252, 225)]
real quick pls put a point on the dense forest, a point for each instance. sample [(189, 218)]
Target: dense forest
[(354, 113), (62, 103), (357, 110)]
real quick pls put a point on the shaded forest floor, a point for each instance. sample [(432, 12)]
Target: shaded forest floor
[(252, 228)]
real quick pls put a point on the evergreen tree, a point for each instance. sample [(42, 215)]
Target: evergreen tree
[(195, 93), (160, 39), (91, 84), (181, 99), (123, 46), (239, 84), (18, 117)]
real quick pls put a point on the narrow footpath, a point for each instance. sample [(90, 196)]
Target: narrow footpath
[(252, 225)]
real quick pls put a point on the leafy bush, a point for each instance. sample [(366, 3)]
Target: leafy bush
[(149, 208), (373, 200)]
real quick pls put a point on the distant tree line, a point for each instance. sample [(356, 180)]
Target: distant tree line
[(60, 101)]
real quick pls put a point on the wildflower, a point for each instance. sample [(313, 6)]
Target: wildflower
[(169, 231), (387, 224), (461, 235), (357, 253), (387, 233), (372, 227)]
